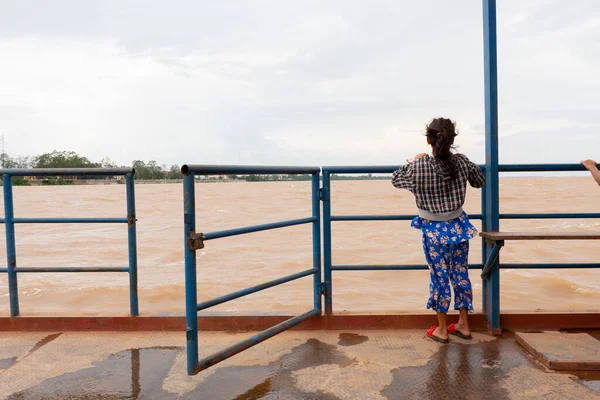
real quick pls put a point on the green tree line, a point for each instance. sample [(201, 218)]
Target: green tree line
[(150, 170), (70, 159)]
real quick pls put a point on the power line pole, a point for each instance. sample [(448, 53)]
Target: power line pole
[(3, 153)]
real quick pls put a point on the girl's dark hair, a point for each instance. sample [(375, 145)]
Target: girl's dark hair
[(441, 133)]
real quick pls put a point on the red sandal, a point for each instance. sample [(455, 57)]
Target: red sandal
[(430, 335), (452, 330)]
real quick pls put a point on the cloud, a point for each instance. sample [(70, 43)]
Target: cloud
[(284, 82)]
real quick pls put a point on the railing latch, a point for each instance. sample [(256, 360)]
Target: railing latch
[(324, 288), (196, 241), (321, 196)]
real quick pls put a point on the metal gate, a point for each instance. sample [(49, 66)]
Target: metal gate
[(194, 240)]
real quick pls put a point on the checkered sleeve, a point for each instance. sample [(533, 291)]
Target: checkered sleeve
[(476, 177), (403, 178)]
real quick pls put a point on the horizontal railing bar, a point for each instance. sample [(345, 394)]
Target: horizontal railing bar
[(540, 167), (254, 340), (69, 220), (383, 217), (244, 292), (389, 267), (550, 266), (471, 266), (333, 218), (372, 169), (472, 216), (257, 228), (246, 169), (68, 269), (388, 169), (67, 171), (550, 216)]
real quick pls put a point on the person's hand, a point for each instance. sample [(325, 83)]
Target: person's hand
[(589, 164), (420, 155)]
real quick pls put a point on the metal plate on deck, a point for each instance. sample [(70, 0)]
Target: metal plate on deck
[(563, 351)]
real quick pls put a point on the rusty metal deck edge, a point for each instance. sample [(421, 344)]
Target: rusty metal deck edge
[(515, 322)]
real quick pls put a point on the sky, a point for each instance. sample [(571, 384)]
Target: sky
[(294, 82)]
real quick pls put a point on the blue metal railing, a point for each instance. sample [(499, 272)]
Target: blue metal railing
[(329, 267), (9, 221), (194, 241), (491, 222)]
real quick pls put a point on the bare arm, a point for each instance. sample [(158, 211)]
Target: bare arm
[(592, 166)]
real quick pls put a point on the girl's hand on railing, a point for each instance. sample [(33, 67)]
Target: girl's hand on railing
[(590, 164)]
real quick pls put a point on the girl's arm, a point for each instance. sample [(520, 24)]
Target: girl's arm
[(475, 177), (592, 166)]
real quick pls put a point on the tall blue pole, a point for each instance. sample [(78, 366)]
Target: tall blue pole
[(491, 286), (327, 243), (132, 247), (316, 238), (191, 295), (484, 249), (11, 251)]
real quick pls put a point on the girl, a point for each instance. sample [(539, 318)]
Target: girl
[(439, 184)]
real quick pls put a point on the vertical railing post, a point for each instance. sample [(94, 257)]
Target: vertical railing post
[(191, 295), (11, 251), (132, 245), (484, 248), (491, 286), (327, 243), (316, 238)]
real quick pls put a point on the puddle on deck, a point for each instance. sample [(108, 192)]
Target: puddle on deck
[(457, 370), (6, 363), (351, 339), (139, 373)]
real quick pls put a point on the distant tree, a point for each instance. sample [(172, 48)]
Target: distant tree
[(63, 159), (108, 163), (174, 172), (19, 162), (150, 170)]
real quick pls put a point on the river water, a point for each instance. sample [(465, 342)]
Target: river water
[(230, 264)]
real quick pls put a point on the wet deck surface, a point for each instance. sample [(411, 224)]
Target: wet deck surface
[(399, 364)]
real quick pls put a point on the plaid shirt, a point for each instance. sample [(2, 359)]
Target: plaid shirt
[(435, 191)]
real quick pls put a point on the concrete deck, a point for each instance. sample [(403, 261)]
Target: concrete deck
[(383, 364)]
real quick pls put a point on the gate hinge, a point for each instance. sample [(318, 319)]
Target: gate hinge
[(131, 220), (324, 288), (196, 241)]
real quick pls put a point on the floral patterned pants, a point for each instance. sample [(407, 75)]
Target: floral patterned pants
[(448, 264)]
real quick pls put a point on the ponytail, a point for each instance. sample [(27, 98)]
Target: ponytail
[(441, 133)]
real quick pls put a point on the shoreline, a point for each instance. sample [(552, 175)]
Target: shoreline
[(100, 182)]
